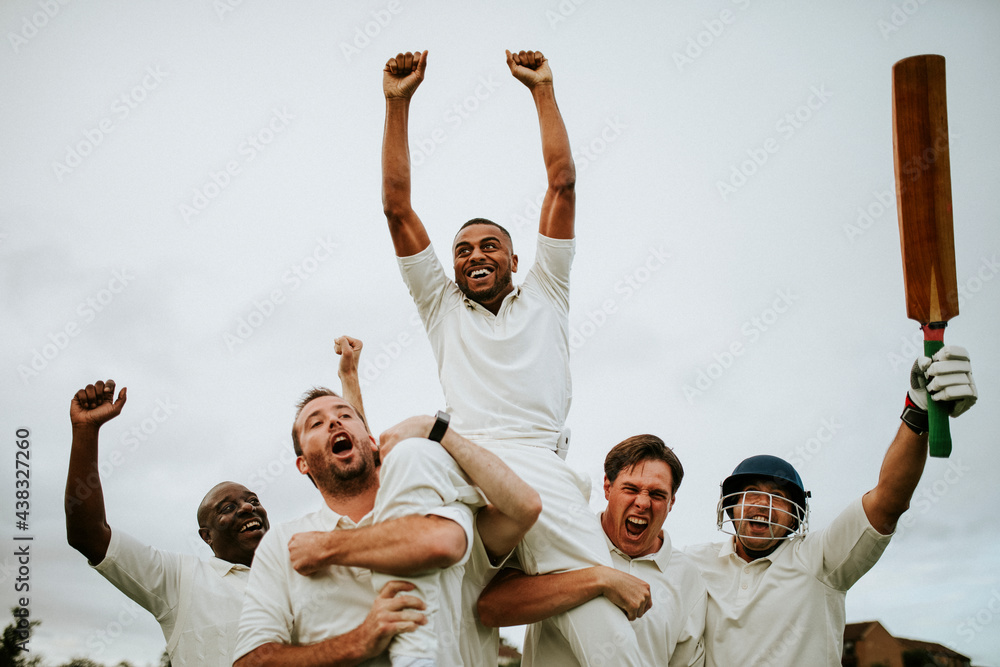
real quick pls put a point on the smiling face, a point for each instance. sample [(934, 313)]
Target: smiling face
[(232, 521), (338, 453), (762, 516), (638, 502), (484, 263)]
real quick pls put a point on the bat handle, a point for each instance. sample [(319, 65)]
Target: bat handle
[(937, 416)]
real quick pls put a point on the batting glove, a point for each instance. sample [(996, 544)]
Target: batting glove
[(948, 377)]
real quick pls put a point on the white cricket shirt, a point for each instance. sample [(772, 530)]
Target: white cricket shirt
[(504, 376), (196, 602), (786, 609), (285, 607)]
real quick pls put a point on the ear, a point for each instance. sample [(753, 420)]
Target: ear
[(300, 463), (607, 488), (673, 499), (205, 535), (513, 263)]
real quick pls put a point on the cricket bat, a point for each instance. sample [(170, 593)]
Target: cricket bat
[(923, 200)]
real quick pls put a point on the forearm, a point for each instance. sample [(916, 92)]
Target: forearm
[(901, 470), (401, 547), (556, 151), (350, 385), (507, 492), (344, 650), (87, 529), (514, 598)]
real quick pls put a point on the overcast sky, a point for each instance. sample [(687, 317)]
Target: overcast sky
[(190, 206)]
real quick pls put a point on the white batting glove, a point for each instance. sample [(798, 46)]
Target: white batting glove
[(947, 376)]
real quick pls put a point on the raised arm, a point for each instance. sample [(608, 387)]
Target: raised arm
[(559, 206), (514, 598), (400, 79), (390, 615), (402, 547), (513, 505), (349, 350), (87, 528), (948, 377)]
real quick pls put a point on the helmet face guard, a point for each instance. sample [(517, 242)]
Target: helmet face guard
[(782, 524), (771, 469)]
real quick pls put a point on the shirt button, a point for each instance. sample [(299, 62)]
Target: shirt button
[(744, 586), (747, 570)]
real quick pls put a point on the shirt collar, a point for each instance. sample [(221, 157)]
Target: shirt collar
[(472, 305), (224, 567), (729, 550)]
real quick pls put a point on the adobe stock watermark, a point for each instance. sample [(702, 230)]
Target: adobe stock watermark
[(774, 654), (805, 452), (121, 109), (86, 311), (452, 119), (112, 459), (102, 639), (982, 619), (713, 29), (898, 17), (217, 182), (751, 331), (912, 347), (31, 25), (563, 11), (930, 494), (584, 154), (882, 202), (627, 287), (224, 7), (786, 127), (365, 33), (263, 309), (371, 368)]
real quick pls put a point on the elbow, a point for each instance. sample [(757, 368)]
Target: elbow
[(562, 178), (532, 510), (446, 546), (487, 613), (447, 552)]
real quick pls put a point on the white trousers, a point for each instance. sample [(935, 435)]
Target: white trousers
[(567, 536), (419, 477)]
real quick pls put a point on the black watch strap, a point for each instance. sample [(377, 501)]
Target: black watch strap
[(440, 426)]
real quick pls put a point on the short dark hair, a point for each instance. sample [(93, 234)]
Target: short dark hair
[(633, 451), (484, 221), (309, 396)]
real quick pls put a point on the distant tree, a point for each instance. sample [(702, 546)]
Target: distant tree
[(11, 653), (81, 662), (165, 659)]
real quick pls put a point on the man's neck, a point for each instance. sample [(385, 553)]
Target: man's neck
[(354, 506)]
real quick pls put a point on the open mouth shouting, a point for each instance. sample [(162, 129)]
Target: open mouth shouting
[(635, 526), (341, 444)]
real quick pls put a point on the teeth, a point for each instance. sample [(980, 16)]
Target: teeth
[(636, 521), (250, 525), (480, 273)]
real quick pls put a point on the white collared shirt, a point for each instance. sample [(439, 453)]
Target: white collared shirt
[(284, 607), (504, 376), (674, 626), (196, 602), (786, 608)]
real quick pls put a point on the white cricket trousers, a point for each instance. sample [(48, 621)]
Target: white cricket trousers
[(568, 536), (417, 477)]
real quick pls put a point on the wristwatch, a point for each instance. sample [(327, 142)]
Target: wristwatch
[(440, 426)]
